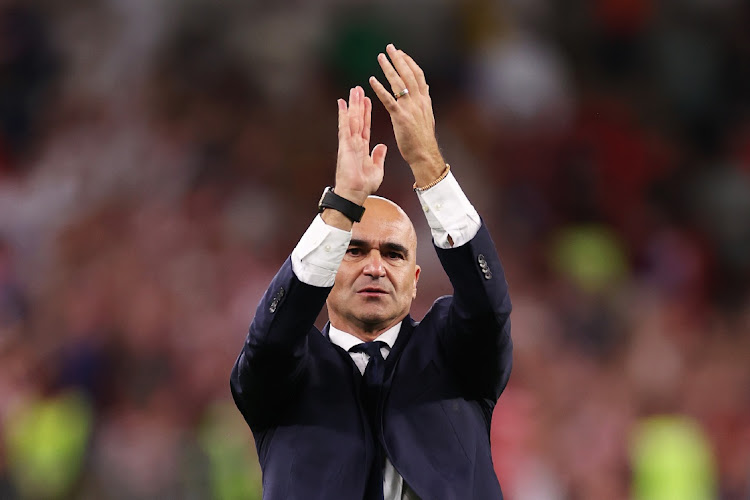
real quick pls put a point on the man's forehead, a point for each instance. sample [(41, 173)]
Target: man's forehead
[(385, 224), (383, 230)]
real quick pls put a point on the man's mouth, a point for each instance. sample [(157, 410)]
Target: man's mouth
[(372, 291)]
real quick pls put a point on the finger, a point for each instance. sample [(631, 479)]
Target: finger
[(378, 155), (403, 68), (343, 120), (384, 96), (350, 105), (355, 113), (367, 120), (397, 84), (424, 89), (360, 111)]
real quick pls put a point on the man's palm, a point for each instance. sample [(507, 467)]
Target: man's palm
[(358, 172)]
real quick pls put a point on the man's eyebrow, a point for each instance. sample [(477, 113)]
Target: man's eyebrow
[(358, 243), (388, 245), (397, 247)]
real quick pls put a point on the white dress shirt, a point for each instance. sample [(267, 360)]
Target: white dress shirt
[(453, 222)]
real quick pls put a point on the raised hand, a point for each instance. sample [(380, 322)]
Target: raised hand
[(411, 114), (358, 172)]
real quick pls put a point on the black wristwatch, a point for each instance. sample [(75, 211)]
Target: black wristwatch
[(329, 199)]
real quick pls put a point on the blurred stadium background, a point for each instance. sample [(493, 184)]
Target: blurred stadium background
[(160, 158)]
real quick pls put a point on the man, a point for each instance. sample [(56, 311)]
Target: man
[(379, 405)]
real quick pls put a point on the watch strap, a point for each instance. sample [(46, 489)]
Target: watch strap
[(351, 210)]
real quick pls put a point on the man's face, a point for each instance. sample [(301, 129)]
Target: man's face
[(377, 279)]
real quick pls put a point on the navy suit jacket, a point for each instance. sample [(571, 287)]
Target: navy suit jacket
[(299, 393)]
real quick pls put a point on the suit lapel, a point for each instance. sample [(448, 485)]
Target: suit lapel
[(407, 328), (391, 362)]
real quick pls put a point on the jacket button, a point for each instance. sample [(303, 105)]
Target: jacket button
[(482, 261), (276, 299)]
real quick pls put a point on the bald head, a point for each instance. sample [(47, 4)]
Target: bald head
[(379, 210)]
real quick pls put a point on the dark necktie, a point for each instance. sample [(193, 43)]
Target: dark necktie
[(373, 375), (372, 381)]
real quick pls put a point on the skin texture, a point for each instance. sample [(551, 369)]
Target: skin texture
[(377, 280)]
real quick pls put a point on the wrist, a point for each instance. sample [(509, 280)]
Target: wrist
[(424, 187), (356, 197), (427, 170), (331, 201), (336, 219)]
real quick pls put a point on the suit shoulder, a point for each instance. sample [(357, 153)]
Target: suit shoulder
[(437, 311)]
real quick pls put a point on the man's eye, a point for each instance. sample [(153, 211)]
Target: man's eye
[(395, 255), (354, 251)]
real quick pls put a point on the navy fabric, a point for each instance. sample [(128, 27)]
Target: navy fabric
[(303, 397)]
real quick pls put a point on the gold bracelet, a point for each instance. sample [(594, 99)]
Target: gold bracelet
[(431, 184)]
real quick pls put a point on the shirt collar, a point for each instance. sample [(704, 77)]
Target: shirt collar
[(346, 340)]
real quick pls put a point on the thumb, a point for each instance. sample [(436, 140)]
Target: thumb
[(378, 154)]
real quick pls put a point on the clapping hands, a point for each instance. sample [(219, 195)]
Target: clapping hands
[(359, 171)]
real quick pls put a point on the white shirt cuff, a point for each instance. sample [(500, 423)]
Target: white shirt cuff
[(449, 213), (318, 255)]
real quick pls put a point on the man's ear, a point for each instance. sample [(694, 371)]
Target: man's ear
[(417, 272)]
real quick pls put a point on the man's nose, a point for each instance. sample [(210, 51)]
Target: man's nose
[(374, 265)]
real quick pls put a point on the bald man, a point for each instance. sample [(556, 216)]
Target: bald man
[(378, 405)]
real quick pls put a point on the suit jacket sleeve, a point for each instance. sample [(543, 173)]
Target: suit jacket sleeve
[(267, 370), (475, 331)]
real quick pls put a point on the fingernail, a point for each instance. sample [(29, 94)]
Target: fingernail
[(391, 46)]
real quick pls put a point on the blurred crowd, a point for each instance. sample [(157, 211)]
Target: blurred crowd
[(159, 159)]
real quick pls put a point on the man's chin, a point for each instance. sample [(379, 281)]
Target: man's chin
[(374, 316)]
